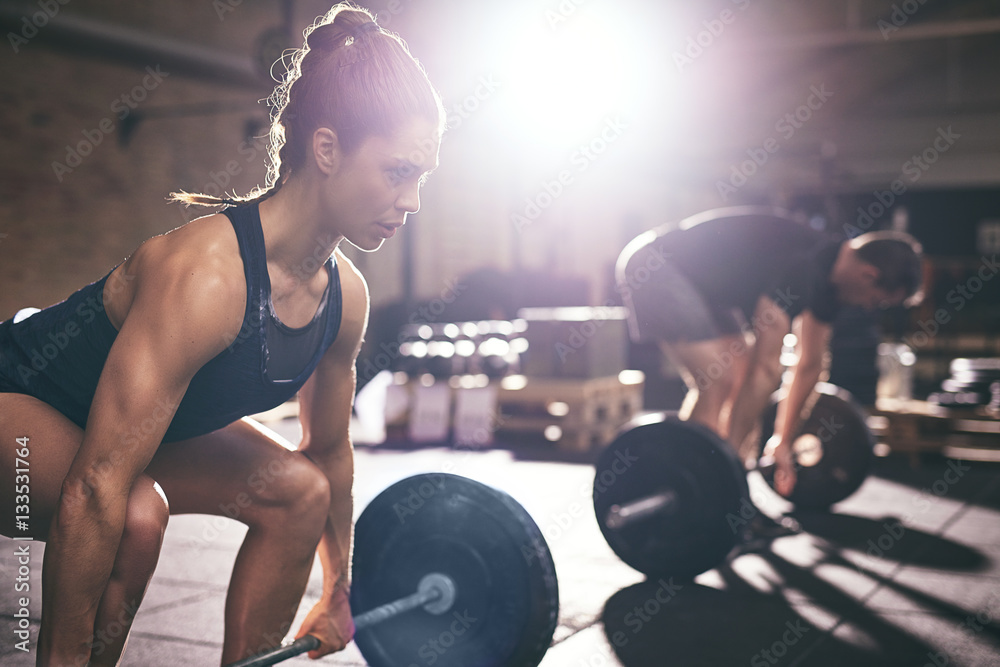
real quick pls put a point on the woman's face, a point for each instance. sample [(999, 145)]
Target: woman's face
[(378, 183)]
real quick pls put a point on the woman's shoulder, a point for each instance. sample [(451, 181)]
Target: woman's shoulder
[(209, 241), (202, 255)]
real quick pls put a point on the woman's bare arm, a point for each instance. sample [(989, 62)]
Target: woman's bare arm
[(182, 305)]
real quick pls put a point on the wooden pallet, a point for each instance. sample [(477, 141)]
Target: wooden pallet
[(914, 427), (574, 414), (577, 415)]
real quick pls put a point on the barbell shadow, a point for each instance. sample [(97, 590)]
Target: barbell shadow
[(706, 626), (888, 538), (646, 628), (954, 612), (894, 645)]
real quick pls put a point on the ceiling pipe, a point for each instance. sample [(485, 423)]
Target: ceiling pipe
[(126, 45), (885, 35)]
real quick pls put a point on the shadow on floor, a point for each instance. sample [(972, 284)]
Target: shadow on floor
[(887, 538), (661, 622), (937, 476)]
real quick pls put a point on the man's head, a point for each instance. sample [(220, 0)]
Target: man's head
[(879, 269)]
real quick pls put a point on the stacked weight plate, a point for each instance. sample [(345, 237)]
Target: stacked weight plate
[(973, 382)]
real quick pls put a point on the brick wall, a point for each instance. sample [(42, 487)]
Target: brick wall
[(64, 225)]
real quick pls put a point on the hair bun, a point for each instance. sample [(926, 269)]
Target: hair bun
[(328, 37), (368, 26)]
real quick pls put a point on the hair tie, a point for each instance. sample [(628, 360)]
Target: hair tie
[(363, 28)]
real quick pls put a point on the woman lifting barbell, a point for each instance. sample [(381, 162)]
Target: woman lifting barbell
[(142, 409)]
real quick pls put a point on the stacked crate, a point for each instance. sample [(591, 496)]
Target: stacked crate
[(573, 391), (575, 414), (566, 387)]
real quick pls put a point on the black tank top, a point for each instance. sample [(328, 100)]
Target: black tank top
[(57, 354)]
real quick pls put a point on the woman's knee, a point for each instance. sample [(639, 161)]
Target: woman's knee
[(146, 519), (295, 487)]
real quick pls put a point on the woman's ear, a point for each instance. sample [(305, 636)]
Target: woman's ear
[(326, 150)]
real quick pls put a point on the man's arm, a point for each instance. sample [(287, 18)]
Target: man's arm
[(325, 403), (813, 340), (174, 325)]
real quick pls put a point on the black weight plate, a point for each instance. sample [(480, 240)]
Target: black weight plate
[(834, 450), (659, 453), (507, 600)]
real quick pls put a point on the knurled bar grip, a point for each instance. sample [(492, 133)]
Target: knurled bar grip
[(423, 596)]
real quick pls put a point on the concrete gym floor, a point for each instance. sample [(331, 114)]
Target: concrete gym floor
[(905, 572)]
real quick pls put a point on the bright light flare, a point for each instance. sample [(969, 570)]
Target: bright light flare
[(561, 81)]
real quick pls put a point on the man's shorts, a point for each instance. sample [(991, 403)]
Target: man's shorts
[(663, 304)]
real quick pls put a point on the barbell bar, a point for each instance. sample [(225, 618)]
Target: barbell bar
[(435, 593), (619, 516)]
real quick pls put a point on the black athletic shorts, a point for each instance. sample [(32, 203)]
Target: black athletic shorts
[(663, 304)]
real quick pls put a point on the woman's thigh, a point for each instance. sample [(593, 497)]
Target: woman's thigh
[(52, 442), (238, 471)]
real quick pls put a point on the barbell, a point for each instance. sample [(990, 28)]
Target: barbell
[(671, 497), (833, 451), (453, 573)]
